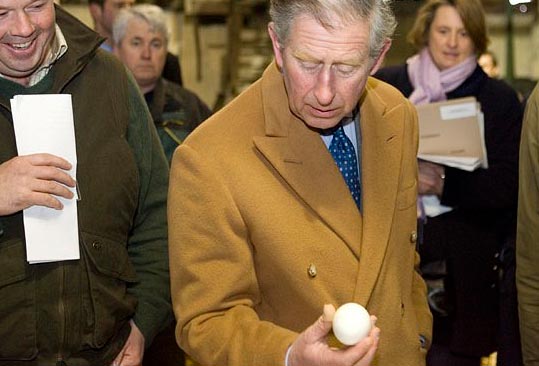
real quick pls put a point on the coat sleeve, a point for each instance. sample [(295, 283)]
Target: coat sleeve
[(213, 280), (147, 243), (528, 233)]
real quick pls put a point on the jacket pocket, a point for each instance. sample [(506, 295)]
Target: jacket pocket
[(17, 303), (107, 305)]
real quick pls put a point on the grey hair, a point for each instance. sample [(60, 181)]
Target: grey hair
[(151, 14), (377, 12)]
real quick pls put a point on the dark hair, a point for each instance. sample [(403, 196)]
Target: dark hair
[(470, 11), (98, 2)]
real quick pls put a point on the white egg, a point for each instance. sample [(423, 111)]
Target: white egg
[(351, 323)]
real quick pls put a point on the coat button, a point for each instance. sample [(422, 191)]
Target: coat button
[(413, 237), (96, 245), (311, 271)]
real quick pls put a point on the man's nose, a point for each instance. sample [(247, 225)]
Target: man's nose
[(22, 25), (324, 90), (146, 52)]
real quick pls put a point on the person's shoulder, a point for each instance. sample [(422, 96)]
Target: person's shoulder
[(534, 95), (494, 90), (178, 90), (499, 86), (236, 122), (390, 73), (384, 92), (184, 96), (107, 57), (397, 76)]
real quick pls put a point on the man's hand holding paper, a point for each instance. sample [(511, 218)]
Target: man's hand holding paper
[(34, 179), (45, 137), (431, 178)]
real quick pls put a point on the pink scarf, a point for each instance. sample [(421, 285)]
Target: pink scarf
[(430, 84)]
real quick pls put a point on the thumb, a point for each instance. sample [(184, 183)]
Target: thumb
[(323, 325)]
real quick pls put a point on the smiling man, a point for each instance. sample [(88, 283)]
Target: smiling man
[(104, 308), (300, 193)]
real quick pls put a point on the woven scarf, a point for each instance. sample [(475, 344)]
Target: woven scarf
[(430, 84)]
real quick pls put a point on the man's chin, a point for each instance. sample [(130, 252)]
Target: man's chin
[(19, 76), (322, 123)]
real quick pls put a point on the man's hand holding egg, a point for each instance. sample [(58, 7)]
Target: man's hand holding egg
[(311, 347)]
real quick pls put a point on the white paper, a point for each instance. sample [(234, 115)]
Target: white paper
[(44, 124), (458, 111), (452, 133), (464, 163), (432, 205)]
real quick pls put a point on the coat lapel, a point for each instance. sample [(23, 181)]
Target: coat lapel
[(382, 133), (300, 157)]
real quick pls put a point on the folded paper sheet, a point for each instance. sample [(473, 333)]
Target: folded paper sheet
[(451, 133), (44, 124)]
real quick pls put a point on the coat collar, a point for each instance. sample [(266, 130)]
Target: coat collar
[(82, 45), (301, 158)]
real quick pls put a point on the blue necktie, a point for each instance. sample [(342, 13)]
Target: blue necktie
[(343, 152)]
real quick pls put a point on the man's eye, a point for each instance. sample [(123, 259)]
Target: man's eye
[(309, 65), (345, 69), (36, 6)]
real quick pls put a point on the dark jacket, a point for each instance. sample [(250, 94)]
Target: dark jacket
[(470, 237), (176, 112), (79, 311)]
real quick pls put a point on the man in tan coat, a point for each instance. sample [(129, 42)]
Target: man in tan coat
[(264, 230)]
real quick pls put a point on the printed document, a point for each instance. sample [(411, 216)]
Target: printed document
[(452, 133)]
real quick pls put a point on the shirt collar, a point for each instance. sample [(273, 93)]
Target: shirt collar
[(57, 50), (346, 120)]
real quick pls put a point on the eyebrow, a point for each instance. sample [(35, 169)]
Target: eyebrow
[(356, 60)]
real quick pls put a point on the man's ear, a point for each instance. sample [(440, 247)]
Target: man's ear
[(277, 50), (380, 59)]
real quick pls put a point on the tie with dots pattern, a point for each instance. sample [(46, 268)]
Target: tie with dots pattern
[(344, 154)]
